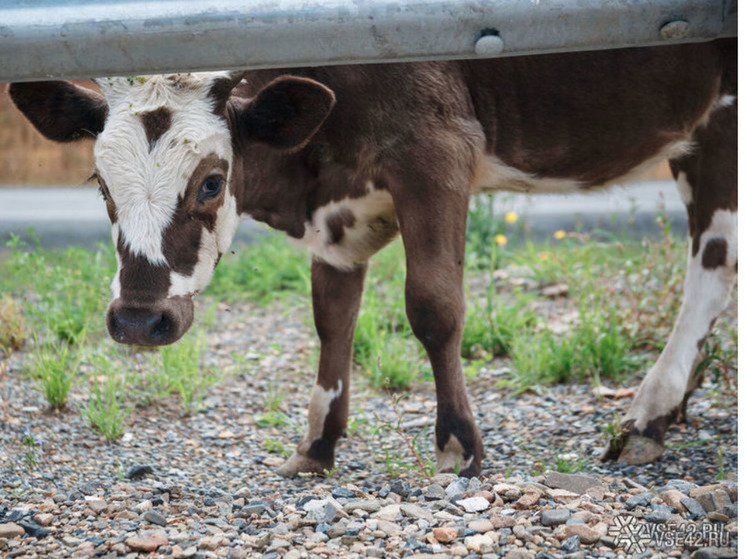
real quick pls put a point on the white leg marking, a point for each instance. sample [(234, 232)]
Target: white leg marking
[(706, 294), (452, 456), (318, 409)]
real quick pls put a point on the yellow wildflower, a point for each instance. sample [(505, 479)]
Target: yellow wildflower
[(560, 234), (543, 256), (511, 217), (501, 239)]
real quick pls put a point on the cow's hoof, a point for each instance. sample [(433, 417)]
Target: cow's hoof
[(639, 450), (298, 464)]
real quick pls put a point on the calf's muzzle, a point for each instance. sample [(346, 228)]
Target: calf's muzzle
[(158, 323)]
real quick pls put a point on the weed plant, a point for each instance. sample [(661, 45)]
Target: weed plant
[(53, 367), (13, 328), (107, 410)]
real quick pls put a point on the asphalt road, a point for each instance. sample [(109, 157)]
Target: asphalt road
[(76, 216)]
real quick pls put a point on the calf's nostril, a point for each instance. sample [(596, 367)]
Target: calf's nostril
[(115, 327), (161, 327)]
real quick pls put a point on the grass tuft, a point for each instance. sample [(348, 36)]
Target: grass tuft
[(13, 328), (107, 411), (53, 367)]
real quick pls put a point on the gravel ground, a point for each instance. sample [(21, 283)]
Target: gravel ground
[(204, 485)]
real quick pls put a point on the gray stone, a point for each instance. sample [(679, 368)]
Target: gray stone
[(414, 511), (474, 504), (456, 488), (577, 483), (342, 493), (679, 485), (715, 553), (519, 554), (154, 518), (367, 505), (731, 510), (337, 529), (693, 506), (435, 492), (641, 500), (658, 516), (555, 517)]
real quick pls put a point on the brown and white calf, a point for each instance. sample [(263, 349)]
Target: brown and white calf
[(344, 158)]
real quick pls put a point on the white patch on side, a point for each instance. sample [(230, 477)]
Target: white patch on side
[(492, 174), (145, 185), (706, 295), (451, 458), (685, 189), (318, 409), (374, 217)]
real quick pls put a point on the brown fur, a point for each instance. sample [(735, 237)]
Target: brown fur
[(420, 131), (156, 123)]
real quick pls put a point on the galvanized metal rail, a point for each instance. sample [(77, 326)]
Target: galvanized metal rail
[(42, 39)]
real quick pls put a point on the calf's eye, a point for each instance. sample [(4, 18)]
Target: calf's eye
[(211, 187)]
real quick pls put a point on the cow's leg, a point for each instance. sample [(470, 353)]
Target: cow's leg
[(707, 182), (336, 301), (432, 223)]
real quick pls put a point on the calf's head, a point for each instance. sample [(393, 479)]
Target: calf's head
[(164, 157)]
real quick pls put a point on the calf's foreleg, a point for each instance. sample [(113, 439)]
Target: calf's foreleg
[(336, 301), (432, 224)]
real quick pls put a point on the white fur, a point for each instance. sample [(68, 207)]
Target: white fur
[(706, 294), (452, 456), (493, 174), (318, 409), (356, 245), (685, 190), (145, 185), (724, 101), (116, 284)]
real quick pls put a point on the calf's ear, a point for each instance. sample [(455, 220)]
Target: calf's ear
[(287, 112), (61, 111)]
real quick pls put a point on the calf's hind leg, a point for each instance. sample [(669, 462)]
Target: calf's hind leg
[(707, 182), (336, 301)]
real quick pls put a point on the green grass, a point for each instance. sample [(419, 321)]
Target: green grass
[(594, 348), (107, 409), (180, 371), (13, 327), (65, 291), (53, 367), (262, 272), (627, 292)]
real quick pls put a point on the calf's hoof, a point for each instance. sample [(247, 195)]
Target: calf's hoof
[(298, 464), (453, 459), (640, 450), (633, 450)]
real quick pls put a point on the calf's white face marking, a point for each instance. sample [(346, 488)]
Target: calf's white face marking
[(146, 180)]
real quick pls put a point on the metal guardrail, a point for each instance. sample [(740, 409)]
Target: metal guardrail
[(42, 39)]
